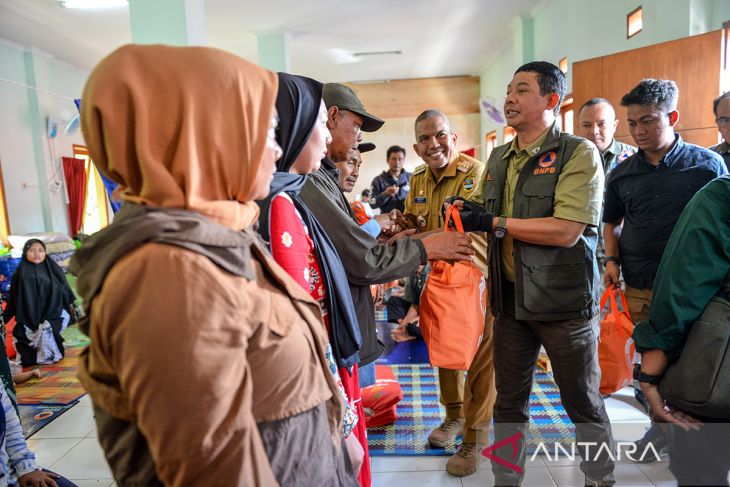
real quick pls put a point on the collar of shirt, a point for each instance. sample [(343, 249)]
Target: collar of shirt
[(722, 148), (531, 150), (672, 155), (613, 149)]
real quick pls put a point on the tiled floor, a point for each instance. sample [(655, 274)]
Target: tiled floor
[(626, 417), (69, 446)]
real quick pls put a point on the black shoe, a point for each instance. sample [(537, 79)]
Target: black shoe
[(655, 436)]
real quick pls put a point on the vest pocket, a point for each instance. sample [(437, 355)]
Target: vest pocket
[(540, 195), (554, 280)]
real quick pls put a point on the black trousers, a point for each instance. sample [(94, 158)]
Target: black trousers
[(572, 347), (700, 457)]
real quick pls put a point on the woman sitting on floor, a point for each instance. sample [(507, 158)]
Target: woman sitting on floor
[(42, 303)]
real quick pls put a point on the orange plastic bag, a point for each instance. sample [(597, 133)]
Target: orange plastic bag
[(452, 309), (616, 348)]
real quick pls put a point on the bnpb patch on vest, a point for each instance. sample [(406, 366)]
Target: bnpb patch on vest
[(546, 162), (468, 184)]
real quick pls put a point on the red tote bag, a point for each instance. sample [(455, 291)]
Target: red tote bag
[(616, 347), (452, 310)]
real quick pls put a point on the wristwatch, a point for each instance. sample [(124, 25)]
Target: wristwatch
[(500, 230), (642, 377), (611, 258)]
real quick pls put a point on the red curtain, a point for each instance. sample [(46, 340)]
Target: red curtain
[(75, 172), (470, 152)]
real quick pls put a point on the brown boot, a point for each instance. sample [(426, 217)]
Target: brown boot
[(465, 461), (446, 432)]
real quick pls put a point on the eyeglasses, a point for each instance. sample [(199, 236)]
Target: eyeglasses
[(722, 120)]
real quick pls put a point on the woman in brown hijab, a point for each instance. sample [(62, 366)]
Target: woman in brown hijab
[(206, 365)]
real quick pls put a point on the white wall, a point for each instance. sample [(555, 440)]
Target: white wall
[(25, 151)]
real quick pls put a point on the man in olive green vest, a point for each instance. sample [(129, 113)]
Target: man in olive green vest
[(721, 109), (469, 403), (540, 201)]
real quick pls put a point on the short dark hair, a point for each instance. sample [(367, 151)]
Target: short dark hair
[(594, 101), (662, 93), (549, 78), (431, 113), (716, 101), (394, 148), (365, 192)]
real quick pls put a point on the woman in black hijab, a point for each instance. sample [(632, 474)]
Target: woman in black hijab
[(41, 302), (299, 245)]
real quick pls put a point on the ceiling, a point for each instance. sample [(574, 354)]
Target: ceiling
[(436, 37)]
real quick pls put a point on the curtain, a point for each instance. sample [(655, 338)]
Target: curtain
[(75, 174), (470, 152)]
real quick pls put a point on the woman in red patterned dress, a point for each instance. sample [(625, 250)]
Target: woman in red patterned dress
[(301, 247)]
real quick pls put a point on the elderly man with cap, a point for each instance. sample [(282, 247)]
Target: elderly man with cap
[(386, 223), (365, 259)]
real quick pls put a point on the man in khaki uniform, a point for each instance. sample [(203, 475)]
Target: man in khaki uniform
[(446, 173)]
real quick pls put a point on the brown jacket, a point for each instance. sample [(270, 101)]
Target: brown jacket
[(196, 366)]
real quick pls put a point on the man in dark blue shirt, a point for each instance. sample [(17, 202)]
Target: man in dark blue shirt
[(391, 187), (646, 194)]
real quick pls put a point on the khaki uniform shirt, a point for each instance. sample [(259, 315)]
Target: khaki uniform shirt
[(616, 153), (571, 201), (723, 149), (427, 195)]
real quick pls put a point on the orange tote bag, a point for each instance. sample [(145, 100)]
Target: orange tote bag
[(452, 309), (616, 347)]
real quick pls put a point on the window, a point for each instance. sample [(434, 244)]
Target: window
[(509, 134), (96, 212), (565, 116), (563, 65), (634, 22), (491, 142)]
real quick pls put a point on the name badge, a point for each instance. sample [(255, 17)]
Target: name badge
[(420, 199)]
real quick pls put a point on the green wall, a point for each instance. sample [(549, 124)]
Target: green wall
[(584, 29)]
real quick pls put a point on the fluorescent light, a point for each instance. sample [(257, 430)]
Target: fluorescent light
[(93, 4)]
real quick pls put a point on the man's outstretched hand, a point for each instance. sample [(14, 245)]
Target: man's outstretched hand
[(449, 246), (474, 217)]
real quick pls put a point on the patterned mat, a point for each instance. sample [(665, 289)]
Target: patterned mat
[(59, 384), (34, 417), (420, 411)]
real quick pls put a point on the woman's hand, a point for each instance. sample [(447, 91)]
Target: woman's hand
[(38, 478), (356, 453), (667, 414)]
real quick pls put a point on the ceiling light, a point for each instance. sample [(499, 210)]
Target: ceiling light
[(376, 53), (93, 4)]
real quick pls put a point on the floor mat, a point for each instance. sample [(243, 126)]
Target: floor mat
[(59, 384), (420, 411), (35, 416)]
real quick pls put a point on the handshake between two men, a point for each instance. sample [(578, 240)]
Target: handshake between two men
[(440, 245)]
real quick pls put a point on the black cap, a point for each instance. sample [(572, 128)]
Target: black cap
[(365, 147), (342, 97)]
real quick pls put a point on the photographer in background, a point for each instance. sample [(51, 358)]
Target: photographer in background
[(391, 187)]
